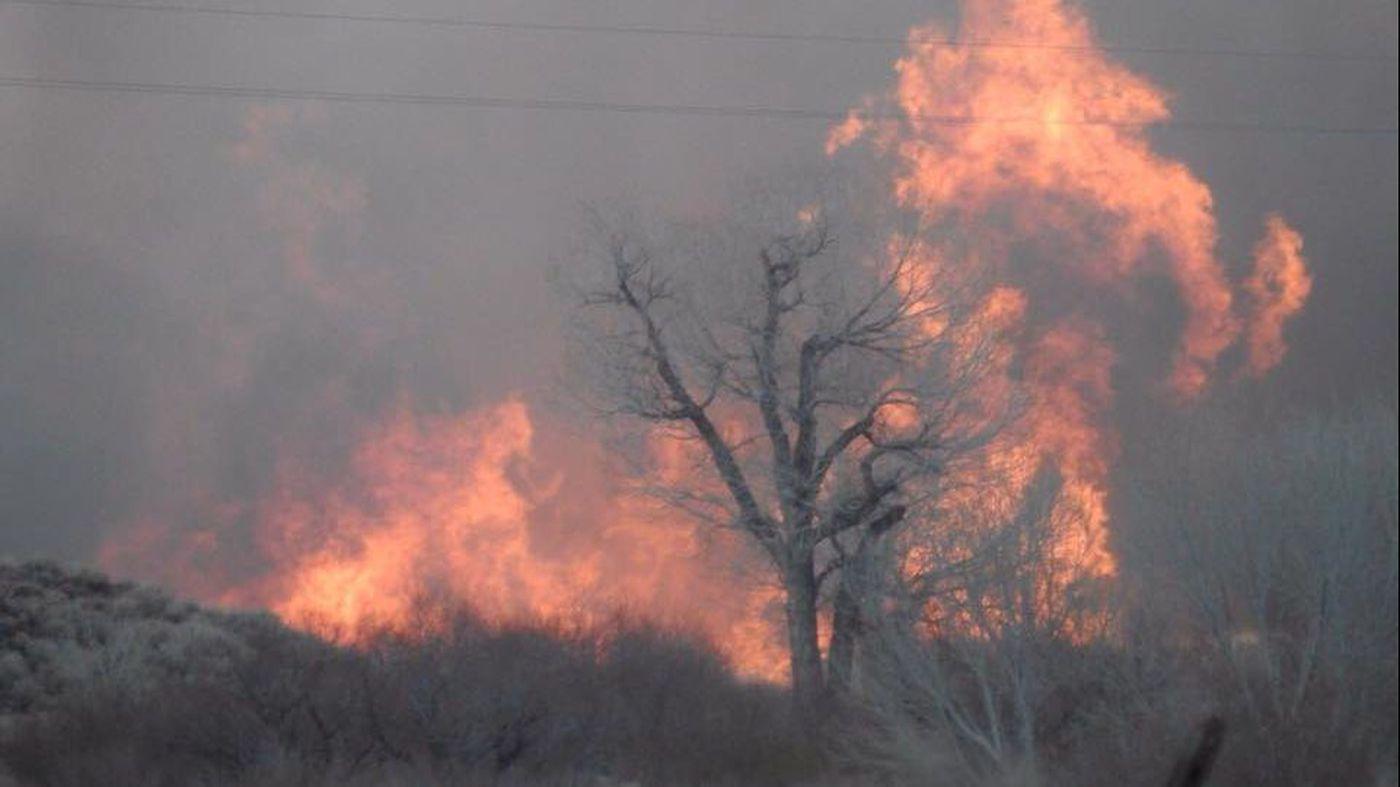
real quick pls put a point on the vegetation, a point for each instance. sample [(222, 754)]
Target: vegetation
[(1272, 646), (470, 704), (788, 359)]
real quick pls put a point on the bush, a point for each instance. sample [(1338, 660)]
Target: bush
[(521, 704)]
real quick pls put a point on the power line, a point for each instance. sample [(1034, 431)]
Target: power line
[(696, 33), (578, 105)]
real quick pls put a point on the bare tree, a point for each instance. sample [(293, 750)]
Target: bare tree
[(826, 390), (975, 653)]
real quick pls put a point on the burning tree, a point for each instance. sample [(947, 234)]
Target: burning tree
[(824, 392)]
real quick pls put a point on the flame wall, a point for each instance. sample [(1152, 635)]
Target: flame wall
[(1034, 156)]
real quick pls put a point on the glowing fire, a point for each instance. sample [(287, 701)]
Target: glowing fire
[(452, 506), (1278, 288), (1043, 146), (1047, 146)]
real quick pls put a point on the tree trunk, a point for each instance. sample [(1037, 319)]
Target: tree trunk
[(845, 627), (852, 594), (808, 685)]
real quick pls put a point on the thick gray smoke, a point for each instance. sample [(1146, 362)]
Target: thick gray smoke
[(196, 289)]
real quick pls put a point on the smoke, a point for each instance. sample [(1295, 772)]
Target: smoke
[(247, 347)]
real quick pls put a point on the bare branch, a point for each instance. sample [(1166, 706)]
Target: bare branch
[(640, 302)]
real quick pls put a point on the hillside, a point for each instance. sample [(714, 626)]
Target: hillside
[(115, 683), (64, 631)]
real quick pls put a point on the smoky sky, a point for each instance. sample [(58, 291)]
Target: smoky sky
[(192, 287)]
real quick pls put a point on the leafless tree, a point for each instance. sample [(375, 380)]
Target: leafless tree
[(825, 386), (974, 660)]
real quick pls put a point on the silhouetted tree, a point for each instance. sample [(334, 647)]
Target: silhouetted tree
[(827, 390)]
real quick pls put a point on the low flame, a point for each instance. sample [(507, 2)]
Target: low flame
[(452, 506)]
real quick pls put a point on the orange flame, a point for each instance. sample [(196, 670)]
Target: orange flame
[(1278, 288), (1057, 133), (1070, 372), (1048, 145), (451, 506), (1041, 144)]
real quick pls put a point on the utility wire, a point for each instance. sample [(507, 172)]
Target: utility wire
[(696, 33), (577, 105)]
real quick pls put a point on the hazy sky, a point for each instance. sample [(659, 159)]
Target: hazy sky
[(188, 284)]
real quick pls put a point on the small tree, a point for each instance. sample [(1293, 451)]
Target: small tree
[(827, 390), (974, 650)]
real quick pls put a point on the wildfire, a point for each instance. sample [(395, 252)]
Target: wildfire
[(1046, 145), (1278, 289), (455, 507), (1041, 146)]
